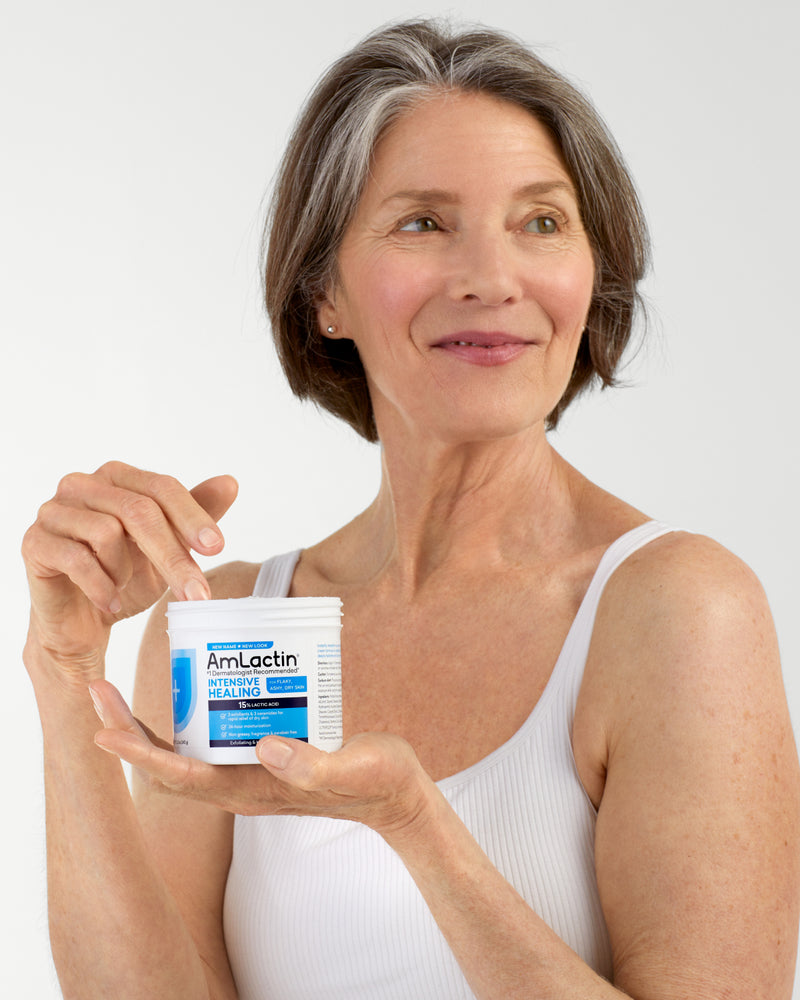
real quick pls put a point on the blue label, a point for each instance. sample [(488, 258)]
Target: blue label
[(239, 645), (184, 687), (286, 685), (246, 726)]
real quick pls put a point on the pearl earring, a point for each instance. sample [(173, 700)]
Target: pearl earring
[(331, 330)]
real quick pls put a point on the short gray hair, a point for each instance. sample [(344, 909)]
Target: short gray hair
[(326, 165)]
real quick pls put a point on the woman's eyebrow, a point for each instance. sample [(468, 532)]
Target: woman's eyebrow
[(441, 196), (438, 195), (538, 188)]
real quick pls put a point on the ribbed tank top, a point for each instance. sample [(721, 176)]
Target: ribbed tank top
[(323, 909)]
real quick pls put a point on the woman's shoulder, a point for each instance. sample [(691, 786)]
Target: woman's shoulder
[(683, 621), (678, 577), (683, 649)]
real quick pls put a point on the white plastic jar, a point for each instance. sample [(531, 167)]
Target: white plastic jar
[(248, 667)]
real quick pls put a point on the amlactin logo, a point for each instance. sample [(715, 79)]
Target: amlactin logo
[(247, 656)]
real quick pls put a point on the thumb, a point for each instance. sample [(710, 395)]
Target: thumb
[(216, 495), (294, 761)]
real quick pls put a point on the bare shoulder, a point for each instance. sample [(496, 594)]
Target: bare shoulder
[(683, 637), (682, 607), (697, 845), (684, 573)]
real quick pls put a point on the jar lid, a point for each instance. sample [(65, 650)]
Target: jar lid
[(246, 612)]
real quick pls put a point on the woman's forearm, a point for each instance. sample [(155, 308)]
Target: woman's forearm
[(504, 949), (115, 929)]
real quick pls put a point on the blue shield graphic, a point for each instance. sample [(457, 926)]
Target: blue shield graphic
[(184, 687)]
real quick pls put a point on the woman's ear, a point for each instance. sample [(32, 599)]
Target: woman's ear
[(326, 318)]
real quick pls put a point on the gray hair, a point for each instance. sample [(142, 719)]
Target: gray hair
[(325, 168)]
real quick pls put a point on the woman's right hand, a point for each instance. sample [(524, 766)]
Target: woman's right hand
[(107, 546)]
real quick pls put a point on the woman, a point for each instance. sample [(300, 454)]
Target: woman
[(567, 753)]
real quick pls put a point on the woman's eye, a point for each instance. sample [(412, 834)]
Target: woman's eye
[(544, 225), (424, 224)]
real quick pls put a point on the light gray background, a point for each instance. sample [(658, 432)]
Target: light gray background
[(138, 140)]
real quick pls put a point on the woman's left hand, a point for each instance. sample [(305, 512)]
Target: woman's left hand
[(374, 779)]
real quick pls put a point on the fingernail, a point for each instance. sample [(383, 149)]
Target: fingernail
[(97, 706), (102, 746), (274, 753), (209, 537), (195, 591)]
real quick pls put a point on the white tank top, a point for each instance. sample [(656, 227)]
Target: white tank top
[(323, 909)]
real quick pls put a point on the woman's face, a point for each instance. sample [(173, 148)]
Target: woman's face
[(465, 277)]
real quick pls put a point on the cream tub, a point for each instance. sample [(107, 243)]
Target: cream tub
[(248, 667)]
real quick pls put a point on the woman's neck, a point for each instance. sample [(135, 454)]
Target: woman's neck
[(469, 506)]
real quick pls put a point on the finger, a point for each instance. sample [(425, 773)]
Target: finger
[(154, 738), (355, 771), (238, 789), (114, 713), (295, 762), (163, 766), (315, 782), (126, 737), (50, 557), (102, 534), (216, 495), (244, 789), (374, 778), (194, 524), (143, 519), (164, 770)]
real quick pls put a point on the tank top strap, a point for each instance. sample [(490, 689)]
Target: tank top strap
[(275, 576), (569, 669), (616, 554)]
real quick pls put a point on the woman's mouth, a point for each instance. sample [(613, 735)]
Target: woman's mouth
[(485, 349)]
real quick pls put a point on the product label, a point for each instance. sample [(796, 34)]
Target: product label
[(243, 723), (243, 658), (230, 692), (253, 687), (244, 679), (329, 690)]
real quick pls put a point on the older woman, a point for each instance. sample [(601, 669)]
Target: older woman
[(567, 751)]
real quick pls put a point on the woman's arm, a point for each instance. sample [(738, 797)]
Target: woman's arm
[(697, 835), (116, 931), (105, 547), (697, 844)]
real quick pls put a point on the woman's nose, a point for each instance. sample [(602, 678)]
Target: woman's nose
[(487, 270)]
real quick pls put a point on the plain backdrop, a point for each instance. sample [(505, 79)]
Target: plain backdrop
[(138, 141)]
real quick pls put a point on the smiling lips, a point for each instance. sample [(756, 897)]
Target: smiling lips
[(483, 348)]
